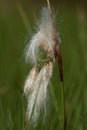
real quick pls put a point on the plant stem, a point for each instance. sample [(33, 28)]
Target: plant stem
[(58, 57), (63, 106)]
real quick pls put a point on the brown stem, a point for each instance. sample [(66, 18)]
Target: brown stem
[(49, 6), (56, 41), (58, 57), (59, 60)]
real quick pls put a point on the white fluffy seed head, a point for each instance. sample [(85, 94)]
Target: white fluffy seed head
[(43, 38), (46, 23), (29, 83), (38, 99)]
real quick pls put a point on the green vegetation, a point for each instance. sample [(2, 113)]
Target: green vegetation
[(16, 27)]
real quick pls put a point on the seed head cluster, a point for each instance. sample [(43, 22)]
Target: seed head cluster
[(36, 84), (36, 91), (42, 39)]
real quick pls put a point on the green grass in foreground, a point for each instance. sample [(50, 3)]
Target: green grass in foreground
[(13, 70)]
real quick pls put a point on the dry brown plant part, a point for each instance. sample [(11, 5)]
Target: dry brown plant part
[(58, 57)]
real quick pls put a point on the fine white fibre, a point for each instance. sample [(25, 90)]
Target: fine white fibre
[(46, 26), (43, 38), (38, 99), (32, 51), (29, 83)]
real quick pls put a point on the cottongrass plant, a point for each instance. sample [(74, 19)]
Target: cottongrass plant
[(35, 87), (36, 84)]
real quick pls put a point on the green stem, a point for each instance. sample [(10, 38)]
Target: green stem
[(63, 106), (59, 60)]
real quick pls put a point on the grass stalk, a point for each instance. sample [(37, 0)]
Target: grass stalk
[(58, 57), (63, 107)]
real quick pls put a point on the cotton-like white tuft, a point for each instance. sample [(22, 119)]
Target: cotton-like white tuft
[(43, 38), (35, 88), (46, 26), (29, 83), (32, 51), (38, 99)]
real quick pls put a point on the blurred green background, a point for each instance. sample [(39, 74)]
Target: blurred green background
[(17, 25)]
